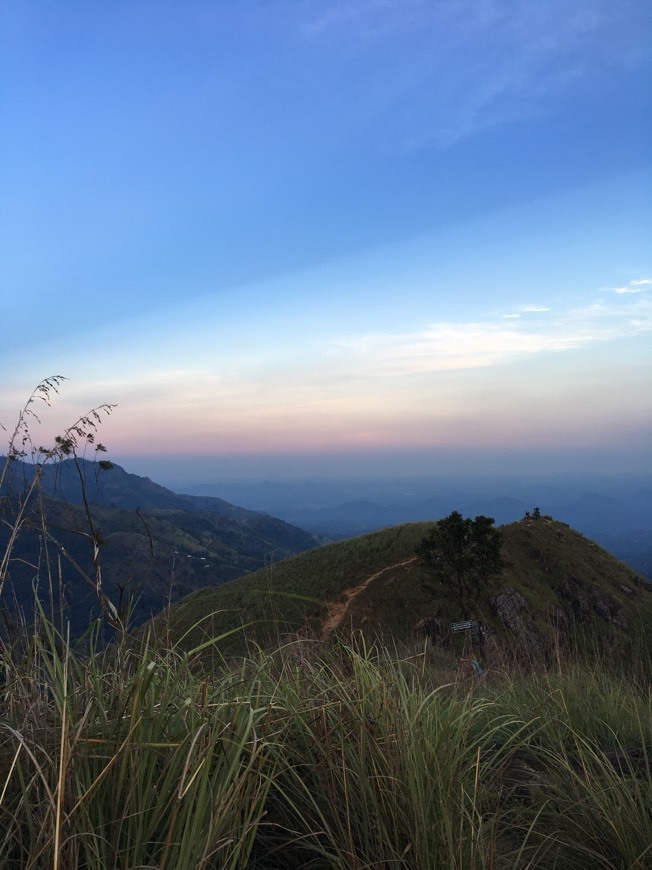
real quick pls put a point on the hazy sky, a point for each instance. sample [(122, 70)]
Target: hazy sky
[(369, 237)]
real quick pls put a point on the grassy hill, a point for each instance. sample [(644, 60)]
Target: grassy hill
[(555, 580)]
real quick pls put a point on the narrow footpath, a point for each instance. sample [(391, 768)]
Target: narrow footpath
[(339, 609)]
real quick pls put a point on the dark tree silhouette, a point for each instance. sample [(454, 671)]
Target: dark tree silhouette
[(462, 557)]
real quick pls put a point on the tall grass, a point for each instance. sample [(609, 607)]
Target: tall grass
[(587, 774), (381, 769), (124, 758), (316, 755)]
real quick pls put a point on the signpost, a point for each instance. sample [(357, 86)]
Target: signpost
[(463, 626)]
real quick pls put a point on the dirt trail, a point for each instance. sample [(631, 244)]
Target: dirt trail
[(339, 609)]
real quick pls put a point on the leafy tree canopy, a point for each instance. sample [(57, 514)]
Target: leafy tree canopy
[(462, 556)]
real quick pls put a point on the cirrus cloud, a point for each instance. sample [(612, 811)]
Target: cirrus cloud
[(453, 345), (640, 286)]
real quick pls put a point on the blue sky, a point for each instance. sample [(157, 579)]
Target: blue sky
[(295, 238)]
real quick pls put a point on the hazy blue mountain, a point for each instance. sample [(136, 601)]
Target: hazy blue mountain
[(156, 546), (115, 487), (615, 512)]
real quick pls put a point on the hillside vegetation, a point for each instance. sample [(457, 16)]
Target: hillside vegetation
[(154, 546), (555, 582)]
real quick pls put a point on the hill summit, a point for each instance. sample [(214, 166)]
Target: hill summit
[(555, 583)]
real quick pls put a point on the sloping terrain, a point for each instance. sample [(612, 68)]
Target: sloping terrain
[(111, 487), (155, 546), (554, 579)]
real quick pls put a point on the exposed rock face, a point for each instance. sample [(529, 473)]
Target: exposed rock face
[(514, 612), (510, 605), (584, 605), (618, 618), (611, 611), (602, 609)]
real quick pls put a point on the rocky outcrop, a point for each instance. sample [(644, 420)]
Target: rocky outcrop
[(509, 605), (513, 611), (586, 603)]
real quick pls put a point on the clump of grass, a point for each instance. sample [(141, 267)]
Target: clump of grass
[(587, 773), (380, 769), (123, 757)]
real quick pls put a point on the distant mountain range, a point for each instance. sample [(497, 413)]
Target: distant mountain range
[(156, 544), (615, 513)]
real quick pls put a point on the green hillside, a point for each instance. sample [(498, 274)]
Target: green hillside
[(555, 581), (152, 555)]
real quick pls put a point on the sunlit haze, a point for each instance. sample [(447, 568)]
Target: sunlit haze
[(360, 239)]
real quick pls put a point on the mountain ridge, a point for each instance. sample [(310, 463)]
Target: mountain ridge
[(554, 576), (116, 487), (154, 546)]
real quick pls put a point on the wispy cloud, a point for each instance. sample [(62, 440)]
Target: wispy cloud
[(442, 383), (640, 286), (525, 309), (364, 18), (453, 346), (519, 58)]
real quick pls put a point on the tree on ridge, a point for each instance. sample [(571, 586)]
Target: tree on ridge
[(463, 558)]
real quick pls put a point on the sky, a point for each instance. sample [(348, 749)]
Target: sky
[(295, 238)]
